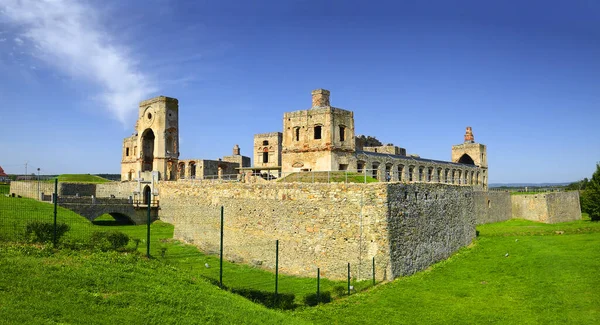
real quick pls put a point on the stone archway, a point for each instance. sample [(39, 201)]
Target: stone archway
[(147, 150), (466, 159)]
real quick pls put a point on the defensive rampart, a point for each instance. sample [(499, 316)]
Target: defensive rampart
[(405, 227), (547, 207), (492, 207)]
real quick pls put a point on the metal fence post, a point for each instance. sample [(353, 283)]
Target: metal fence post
[(348, 278), (55, 196), (318, 285), (221, 253), (148, 224), (276, 269), (373, 270)]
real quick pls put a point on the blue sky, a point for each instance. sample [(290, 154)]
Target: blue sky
[(523, 74)]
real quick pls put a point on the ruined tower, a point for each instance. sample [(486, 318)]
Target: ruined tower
[(320, 138), (472, 153), (155, 145)]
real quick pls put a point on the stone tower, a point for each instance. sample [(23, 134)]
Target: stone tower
[(319, 139), (472, 153), (155, 146)]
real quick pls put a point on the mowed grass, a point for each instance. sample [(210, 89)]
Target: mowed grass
[(41, 286), (516, 272), (328, 177), (80, 178), (256, 283)]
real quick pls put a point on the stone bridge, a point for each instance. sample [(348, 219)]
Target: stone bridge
[(123, 211)]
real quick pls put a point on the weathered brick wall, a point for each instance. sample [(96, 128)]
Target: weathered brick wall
[(73, 189), (491, 207), (427, 223)]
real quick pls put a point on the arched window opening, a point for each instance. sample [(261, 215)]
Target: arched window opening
[(375, 167), (169, 145), (265, 157), (181, 170), (317, 132), (400, 172), (148, 150), (360, 166), (420, 174), (192, 170), (265, 142), (342, 133), (411, 171), (466, 159)]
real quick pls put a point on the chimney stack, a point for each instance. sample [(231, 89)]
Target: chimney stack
[(469, 138), (320, 98)]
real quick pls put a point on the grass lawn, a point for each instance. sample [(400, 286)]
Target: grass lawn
[(4, 189), (80, 178), (328, 177), (548, 277)]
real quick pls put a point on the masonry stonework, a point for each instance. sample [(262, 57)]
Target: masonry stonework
[(547, 207)]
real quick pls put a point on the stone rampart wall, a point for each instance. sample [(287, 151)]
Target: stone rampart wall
[(530, 207), (547, 207), (318, 225), (324, 225), (492, 207), (563, 206), (118, 189), (427, 223), (29, 189)]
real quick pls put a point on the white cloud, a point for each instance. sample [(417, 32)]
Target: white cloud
[(68, 36), (18, 41)]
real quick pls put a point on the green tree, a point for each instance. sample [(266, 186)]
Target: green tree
[(590, 197)]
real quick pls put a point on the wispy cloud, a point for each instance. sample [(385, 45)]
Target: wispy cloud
[(68, 35)]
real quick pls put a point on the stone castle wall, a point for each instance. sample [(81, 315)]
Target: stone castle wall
[(492, 207), (426, 224), (547, 207), (405, 227)]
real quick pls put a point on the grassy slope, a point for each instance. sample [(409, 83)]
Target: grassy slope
[(545, 279), (81, 178), (38, 287), (16, 212)]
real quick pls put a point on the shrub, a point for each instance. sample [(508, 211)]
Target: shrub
[(108, 240), (43, 232), (311, 299)]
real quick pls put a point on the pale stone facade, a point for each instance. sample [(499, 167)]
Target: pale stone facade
[(155, 147), (267, 150), (155, 144)]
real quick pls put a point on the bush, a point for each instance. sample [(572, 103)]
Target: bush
[(43, 232), (311, 299), (108, 240)]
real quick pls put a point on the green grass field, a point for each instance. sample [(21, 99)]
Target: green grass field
[(516, 272), (328, 177), (80, 178)]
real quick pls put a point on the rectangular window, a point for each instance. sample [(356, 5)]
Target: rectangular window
[(342, 133), (265, 157), (317, 132), (343, 167), (297, 134), (127, 152)]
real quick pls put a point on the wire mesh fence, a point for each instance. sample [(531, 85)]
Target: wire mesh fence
[(256, 267)]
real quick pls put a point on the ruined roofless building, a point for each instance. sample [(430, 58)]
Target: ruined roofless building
[(154, 147), (322, 138)]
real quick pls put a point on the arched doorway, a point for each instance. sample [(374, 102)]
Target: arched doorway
[(147, 195), (148, 150), (466, 159)]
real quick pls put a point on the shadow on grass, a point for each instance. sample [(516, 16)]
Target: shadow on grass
[(268, 299)]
